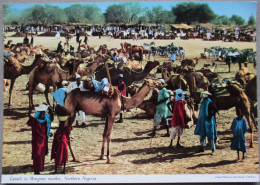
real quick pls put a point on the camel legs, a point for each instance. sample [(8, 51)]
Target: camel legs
[(46, 93), (107, 137), (252, 130), (30, 94), (11, 91)]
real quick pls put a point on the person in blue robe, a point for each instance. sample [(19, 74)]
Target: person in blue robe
[(239, 128), (206, 124)]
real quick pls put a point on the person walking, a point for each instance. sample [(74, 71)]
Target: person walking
[(41, 124), (122, 90), (161, 109), (61, 140), (239, 128), (179, 105), (206, 124), (74, 85)]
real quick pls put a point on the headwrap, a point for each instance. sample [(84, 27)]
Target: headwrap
[(77, 76), (177, 97), (46, 119)]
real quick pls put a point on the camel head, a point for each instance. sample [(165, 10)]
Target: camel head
[(150, 65), (152, 83)]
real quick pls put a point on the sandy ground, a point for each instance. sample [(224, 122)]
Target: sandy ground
[(132, 149)]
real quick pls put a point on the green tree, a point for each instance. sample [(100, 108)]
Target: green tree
[(93, 14), (251, 20), (75, 13), (189, 12), (55, 14), (222, 20), (38, 15), (123, 13), (6, 10), (158, 15), (237, 20)]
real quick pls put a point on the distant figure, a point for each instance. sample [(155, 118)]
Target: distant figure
[(57, 35), (77, 37), (26, 40), (59, 48), (173, 57), (31, 40), (86, 39)]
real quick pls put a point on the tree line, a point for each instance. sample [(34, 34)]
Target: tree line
[(126, 13)]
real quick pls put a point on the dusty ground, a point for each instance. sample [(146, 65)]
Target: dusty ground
[(132, 149)]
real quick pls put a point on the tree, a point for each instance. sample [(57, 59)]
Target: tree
[(93, 14), (123, 13), (38, 15), (237, 20), (160, 16), (192, 12), (75, 13), (55, 14), (222, 20), (251, 20)]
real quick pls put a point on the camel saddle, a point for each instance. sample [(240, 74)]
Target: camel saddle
[(220, 88)]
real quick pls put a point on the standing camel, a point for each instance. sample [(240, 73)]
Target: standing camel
[(49, 75), (129, 75), (98, 104), (237, 99), (13, 69)]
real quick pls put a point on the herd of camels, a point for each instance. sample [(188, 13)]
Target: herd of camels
[(49, 68)]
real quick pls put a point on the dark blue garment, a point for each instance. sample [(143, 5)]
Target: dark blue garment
[(239, 128), (205, 127)]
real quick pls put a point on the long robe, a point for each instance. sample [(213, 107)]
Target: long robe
[(39, 143), (178, 113), (59, 150), (205, 127), (239, 128)]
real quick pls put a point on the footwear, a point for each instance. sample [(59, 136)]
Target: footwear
[(119, 121), (84, 124)]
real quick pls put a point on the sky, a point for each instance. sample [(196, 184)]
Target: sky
[(242, 8)]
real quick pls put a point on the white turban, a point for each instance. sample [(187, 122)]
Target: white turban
[(77, 76)]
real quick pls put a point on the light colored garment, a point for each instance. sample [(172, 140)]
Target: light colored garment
[(239, 128), (72, 85), (176, 131), (162, 108), (82, 116), (99, 85)]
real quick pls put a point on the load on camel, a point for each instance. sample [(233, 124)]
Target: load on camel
[(132, 49), (175, 81), (129, 75), (13, 69), (105, 106), (228, 94), (49, 75)]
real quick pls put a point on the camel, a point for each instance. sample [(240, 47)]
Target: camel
[(129, 76), (175, 81), (189, 62), (237, 98), (49, 75), (105, 106), (132, 49), (243, 76), (13, 69), (91, 67)]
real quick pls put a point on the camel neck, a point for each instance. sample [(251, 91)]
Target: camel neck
[(137, 99)]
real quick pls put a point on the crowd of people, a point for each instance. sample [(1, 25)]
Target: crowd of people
[(176, 108)]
